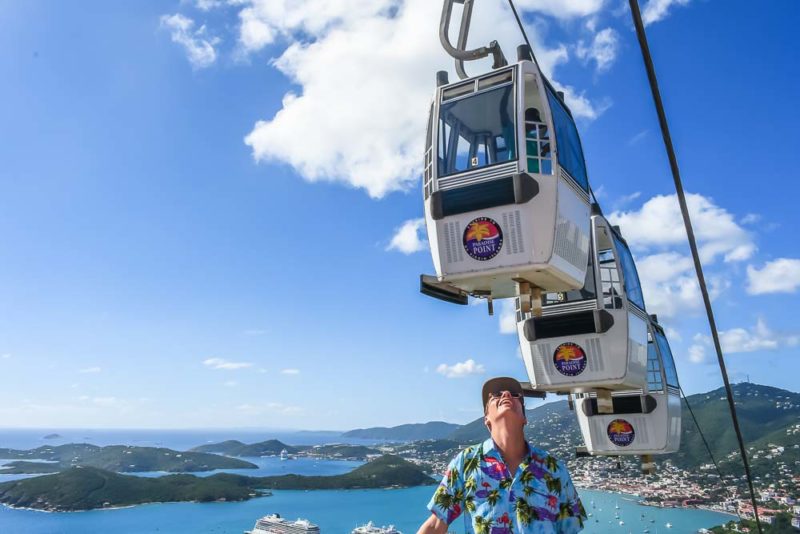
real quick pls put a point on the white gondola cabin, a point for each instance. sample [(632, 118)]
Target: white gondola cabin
[(641, 423), (595, 337), (505, 187)]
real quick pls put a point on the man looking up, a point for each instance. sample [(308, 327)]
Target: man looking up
[(505, 485)]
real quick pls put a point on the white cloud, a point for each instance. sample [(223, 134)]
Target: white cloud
[(670, 287), (220, 363), (777, 276), (627, 199), (364, 71), (410, 237), (602, 50), (290, 371), (90, 370), (697, 352), (207, 5), (562, 8), (638, 137), (5, 356), (230, 383), (656, 10), (751, 218), (461, 369), (740, 340), (508, 317), (198, 45), (659, 225)]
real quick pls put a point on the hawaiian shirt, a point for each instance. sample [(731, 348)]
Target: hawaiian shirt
[(538, 499)]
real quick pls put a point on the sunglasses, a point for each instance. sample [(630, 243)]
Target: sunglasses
[(499, 393)]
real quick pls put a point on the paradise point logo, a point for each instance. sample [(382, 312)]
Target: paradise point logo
[(621, 432), (569, 359), (483, 239)]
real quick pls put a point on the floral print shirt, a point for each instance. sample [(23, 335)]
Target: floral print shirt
[(538, 499)]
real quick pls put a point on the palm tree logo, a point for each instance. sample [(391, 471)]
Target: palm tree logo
[(621, 432), (483, 238)]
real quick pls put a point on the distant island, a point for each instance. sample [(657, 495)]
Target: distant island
[(273, 447), (118, 458), (87, 488), (53, 436), (410, 432)]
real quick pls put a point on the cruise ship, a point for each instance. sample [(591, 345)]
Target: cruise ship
[(275, 524), (369, 528)]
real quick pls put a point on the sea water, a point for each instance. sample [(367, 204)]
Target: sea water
[(335, 511)]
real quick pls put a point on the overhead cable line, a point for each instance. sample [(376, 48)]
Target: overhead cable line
[(673, 163), (702, 436), (524, 34)]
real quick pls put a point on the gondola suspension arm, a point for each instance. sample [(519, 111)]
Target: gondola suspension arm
[(459, 51)]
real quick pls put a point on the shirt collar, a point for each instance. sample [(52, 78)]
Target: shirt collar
[(490, 449)]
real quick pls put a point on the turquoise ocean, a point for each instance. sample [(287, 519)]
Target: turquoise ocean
[(336, 512)]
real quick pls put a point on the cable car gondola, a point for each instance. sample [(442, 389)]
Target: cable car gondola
[(505, 188), (594, 337), (641, 422)]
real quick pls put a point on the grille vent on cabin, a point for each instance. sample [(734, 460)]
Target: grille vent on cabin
[(513, 227), (453, 250)]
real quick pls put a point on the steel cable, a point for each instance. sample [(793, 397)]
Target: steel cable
[(673, 163)]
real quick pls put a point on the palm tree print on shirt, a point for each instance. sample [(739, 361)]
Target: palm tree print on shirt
[(538, 499)]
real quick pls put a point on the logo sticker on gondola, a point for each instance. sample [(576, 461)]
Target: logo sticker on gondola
[(621, 432), (483, 239), (569, 359)]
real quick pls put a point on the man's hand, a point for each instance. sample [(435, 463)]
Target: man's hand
[(433, 525)]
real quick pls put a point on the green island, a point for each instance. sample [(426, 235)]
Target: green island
[(88, 488), (274, 447), (117, 458)]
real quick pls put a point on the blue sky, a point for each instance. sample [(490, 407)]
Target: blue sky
[(208, 209)]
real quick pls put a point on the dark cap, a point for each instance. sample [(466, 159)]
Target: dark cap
[(500, 383)]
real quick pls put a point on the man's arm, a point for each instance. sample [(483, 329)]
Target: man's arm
[(433, 525)]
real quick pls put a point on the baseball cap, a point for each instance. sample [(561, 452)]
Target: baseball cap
[(500, 383)]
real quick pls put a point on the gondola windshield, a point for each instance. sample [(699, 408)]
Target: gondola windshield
[(655, 382), (570, 153), (477, 131), (633, 288), (669, 363)]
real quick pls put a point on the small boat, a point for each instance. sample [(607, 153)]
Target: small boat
[(668, 525), (621, 523)]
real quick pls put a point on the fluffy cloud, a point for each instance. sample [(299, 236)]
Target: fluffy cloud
[(198, 45), (562, 8), (364, 69), (90, 370), (290, 371), (5, 356), (461, 369), (656, 10), (697, 352), (659, 225), (207, 5), (738, 340), (508, 317), (409, 238), (220, 363), (602, 50), (778, 276)]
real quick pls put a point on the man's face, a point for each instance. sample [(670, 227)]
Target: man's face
[(504, 406)]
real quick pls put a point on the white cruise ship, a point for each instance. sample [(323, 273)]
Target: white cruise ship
[(275, 524), (369, 528)]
